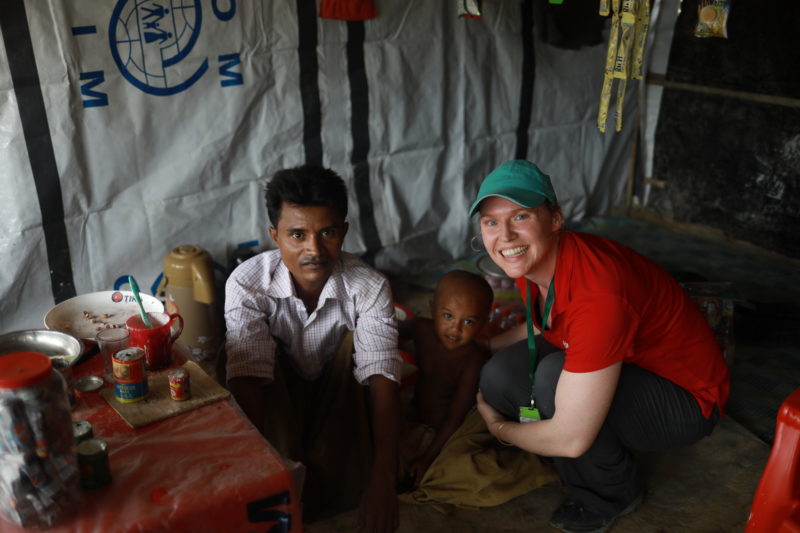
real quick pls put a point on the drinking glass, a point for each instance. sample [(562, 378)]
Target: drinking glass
[(110, 341)]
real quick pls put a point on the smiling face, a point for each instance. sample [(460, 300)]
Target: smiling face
[(460, 308), (310, 239), (520, 240)]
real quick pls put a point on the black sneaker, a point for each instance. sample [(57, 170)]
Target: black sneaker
[(572, 517)]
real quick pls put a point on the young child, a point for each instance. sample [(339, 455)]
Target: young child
[(448, 359)]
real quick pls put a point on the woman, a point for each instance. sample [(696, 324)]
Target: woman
[(626, 360)]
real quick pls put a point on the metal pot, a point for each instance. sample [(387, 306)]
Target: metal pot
[(49, 342)]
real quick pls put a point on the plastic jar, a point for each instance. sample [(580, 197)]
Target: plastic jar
[(39, 478)]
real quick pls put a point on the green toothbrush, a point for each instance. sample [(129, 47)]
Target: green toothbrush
[(135, 289)]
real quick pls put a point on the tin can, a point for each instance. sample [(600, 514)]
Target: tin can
[(81, 431), (93, 463), (128, 365), (130, 392), (63, 366), (179, 384), (130, 378)]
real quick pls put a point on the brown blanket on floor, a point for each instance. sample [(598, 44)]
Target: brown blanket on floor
[(473, 469)]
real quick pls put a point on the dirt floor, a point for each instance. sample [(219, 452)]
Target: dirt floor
[(705, 488)]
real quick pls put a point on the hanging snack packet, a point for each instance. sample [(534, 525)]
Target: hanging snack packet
[(712, 19), (630, 22), (469, 9)]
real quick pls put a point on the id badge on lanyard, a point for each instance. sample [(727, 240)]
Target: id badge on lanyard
[(530, 413)]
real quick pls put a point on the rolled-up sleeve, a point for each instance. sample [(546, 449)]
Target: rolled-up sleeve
[(375, 338), (249, 345)]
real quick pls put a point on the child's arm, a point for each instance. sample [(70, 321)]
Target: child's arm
[(462, 401)]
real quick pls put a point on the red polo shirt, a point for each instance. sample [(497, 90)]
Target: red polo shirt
[(613, 304)]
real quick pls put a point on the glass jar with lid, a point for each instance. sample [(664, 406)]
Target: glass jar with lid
[(39, 475)]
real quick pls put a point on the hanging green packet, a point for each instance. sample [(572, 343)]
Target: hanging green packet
[(469, 9)]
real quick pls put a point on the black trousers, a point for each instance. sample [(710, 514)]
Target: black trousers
[(648, 413)]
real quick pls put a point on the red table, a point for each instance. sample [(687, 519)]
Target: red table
[(206, 470)]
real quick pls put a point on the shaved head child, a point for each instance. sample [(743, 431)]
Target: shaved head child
[(448, 359)]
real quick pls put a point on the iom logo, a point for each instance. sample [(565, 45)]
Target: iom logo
[(153, 44), (150, 39)]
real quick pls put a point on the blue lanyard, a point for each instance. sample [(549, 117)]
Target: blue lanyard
[(548, 303)]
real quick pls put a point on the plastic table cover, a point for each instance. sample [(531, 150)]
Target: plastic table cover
[(204, 470)]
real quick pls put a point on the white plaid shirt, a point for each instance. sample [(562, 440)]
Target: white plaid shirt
[(261, 309)]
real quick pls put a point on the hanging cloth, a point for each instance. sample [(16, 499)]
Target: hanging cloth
[(347, 9)]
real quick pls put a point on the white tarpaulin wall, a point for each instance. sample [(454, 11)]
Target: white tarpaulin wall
[(130, 127)]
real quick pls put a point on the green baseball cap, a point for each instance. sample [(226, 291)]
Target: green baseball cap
[(519, 181)]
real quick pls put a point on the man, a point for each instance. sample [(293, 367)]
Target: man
[(625, 359), (290, 354)]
